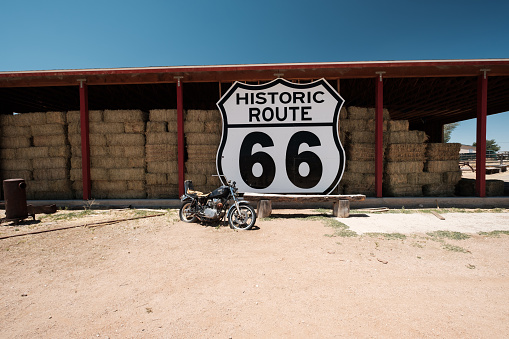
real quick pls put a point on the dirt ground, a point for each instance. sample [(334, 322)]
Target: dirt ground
[(292, 276)]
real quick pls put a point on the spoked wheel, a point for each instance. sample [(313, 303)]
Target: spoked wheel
[(185, 213), (243, 219)]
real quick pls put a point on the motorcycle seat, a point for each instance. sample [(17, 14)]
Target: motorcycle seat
[(198, 193)]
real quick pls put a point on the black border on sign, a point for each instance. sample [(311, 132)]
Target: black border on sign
[(335, 120)]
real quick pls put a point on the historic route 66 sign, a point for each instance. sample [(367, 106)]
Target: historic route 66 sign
[(281, 137)]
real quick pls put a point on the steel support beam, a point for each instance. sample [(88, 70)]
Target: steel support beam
[(180, 136), (482, 112), (85, 141), (379, 134)]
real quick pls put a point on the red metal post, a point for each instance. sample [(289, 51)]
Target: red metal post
[(379, 154), (180, 136), (85, 141), (482, 112)]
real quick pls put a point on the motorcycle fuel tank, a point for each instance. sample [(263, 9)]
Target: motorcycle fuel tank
[(221, 192)]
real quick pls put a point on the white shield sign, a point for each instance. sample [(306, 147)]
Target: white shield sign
[(281, 137)]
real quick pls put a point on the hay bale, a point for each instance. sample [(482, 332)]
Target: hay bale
[(424, 178), (32, 152), (51, 174), (438, 190), (160, 152), (100, 127), (162, 167), (16, 165), (407, 137), (24, 119), (15, 142), (134, 127), (136, 185), (361, 152), (163, 115), (403, 191), (354, 189), (442, 151), (59, 151), (466, 188), (50, 140), (124, 115), (451, 177), (49, 186), (199, 180), (23, 174), (202, 115), (157, 126), (93, 116), (163, 192), (398, 125), (360, 166), (156, 179), (441, 166), (47, 129), (56, 162), (400, 179), (123, 151), (191, 126), (343, 114), (212, 127), (16, 131), (56, 118), (109, 185), (405, 152), (9, 153), (200, 167), (128, 194), (125, 140), (203, 139), (127, 174), (161, 138), (202, 152), (365, 113), (397, 167)]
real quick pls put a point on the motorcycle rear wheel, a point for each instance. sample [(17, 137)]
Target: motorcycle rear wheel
[(243, 220), (185, 214)]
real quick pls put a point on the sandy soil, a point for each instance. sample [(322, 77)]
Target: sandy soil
[(290, 277)]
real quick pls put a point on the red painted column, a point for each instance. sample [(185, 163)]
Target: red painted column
[(85, 141), (180, 136), (482, 112), (379, 135)]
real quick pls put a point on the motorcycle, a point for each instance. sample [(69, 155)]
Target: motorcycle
[(213, 206)]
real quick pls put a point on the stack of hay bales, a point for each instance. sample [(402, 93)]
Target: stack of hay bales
[(357, 134), (202, 130), (442, 162), (161, 154), (35, 148), (466, 187), (405, 158), (117, 153)]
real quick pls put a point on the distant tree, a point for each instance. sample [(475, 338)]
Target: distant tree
[(448, 128), (491, 145)]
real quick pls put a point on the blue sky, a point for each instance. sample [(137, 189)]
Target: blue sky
[(43, 35)]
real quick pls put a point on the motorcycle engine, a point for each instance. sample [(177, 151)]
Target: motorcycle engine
[(213, 208)]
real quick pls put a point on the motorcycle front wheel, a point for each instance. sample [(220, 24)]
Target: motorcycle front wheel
[(185, 214), (243, 219)]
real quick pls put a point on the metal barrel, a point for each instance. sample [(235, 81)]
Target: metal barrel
[(15, 199)]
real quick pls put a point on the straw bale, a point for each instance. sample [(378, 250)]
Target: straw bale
[(200, 167), (134, 127), (16, 131), (213, 181), (106, 127), (16, 165), (194, 126), (75, 162), (405, 152), (361, 152), (75, 174), (56, 118), (352, 189), (399, 179), (49, 185), (162, 167), (15, 142), (343, 114), (157, 126), (398, 167), (163, 192), (202, 115), (156, 179), (212, 127), (129, 151), (47, 129), (494, 188), (93, 116), (9, 153), (365, 113), (403, 191), (441, 166), (50, 140), (360, 166), (27, 175), (160, 152), (24, 119), (55, 162), (59, 151), (442, 151), (126, 174), (74, 128), (76, 151), (125, 139), (407, 137), (32, 152), (172, 127), (361, 137), (202, 152), (161, 138), (424, 178), (358, 179), (203, 139), (197, 179), (136, 185), (163, 115), (50, 174), (398, 125), (99, 174), (125, 115), (451, 177), (438, 190), (129, 194), (109, 185)]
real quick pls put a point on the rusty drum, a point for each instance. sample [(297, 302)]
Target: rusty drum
[(15, 199)]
